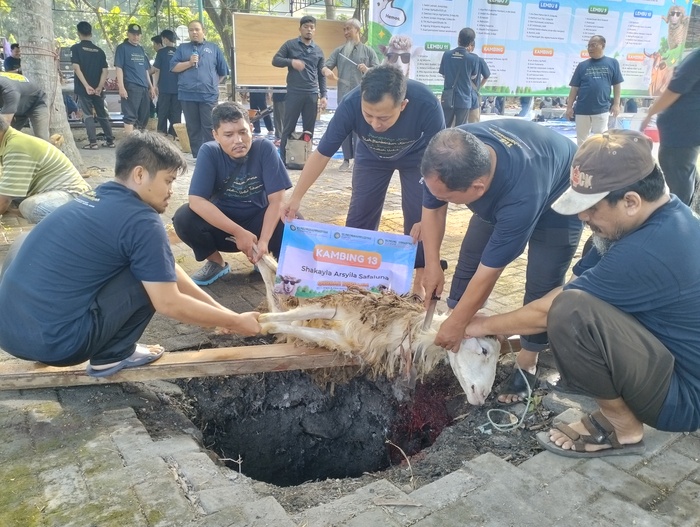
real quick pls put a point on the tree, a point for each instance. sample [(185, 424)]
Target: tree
[(40, 64)]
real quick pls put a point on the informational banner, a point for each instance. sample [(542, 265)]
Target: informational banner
[(317, 259), (533, 46)]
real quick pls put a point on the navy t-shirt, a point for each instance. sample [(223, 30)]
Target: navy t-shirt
[(594, 79), (92, 61), (132, 59), (167, 80), (653, 274), (46, 294), (532, 171), (458, 66), (401, 145), (243, 196), (678, 124)]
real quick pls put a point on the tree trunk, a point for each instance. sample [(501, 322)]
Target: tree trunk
[(40, 64), (330, 9)]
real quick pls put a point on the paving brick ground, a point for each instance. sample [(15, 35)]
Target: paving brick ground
[(82, 457)]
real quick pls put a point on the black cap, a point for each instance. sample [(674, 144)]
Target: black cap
[(169, 34), (134, 28)]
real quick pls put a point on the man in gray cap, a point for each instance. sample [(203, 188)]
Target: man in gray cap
[(626, 329)]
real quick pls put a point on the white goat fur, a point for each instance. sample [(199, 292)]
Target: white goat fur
[(383, 330)]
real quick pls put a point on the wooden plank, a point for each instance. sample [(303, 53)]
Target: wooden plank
[(18, 374)]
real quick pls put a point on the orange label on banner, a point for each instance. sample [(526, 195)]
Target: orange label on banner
[(493, 49), (543, 52), (585, 55), (351, 257), (636, 57)]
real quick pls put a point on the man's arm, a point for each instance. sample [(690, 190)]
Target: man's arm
[(281, 58), (309, 174), (432, 233), (181, 300), (573, 92), (527, 320), (270, 220), (103, 79), (79, 73), (120, 83), (665, 100), (615, 108), (216, 218), (177, 66)]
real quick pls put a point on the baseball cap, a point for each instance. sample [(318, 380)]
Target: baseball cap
[(169, 34), (604, 163), (134, 28)]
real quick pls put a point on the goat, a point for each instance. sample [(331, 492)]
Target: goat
[(384, 330)]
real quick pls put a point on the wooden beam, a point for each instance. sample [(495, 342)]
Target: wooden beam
[(18, 374)]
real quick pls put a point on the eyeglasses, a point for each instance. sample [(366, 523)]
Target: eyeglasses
[(394, 57), (675, 13)]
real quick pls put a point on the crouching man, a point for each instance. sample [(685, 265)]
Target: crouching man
[(626, 329), (235, 196), (93, 273), (35, 175)]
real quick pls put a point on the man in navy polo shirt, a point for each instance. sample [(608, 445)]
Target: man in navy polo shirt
[(168, 108), (393, 118), (508, 172), (458, 66), (201, 67), (590, 89), (134, 80), (305, 80), (235, 195), (90, 67)]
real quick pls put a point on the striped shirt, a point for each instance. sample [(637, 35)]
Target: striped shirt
[(29, 166)]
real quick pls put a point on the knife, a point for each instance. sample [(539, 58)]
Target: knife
[(431, 311)]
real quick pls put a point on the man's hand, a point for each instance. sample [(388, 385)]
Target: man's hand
[(323, 102), (645, 123), (194, 59), (475, 328), (363, 68), (433, 280), (298, 64), (569, 113), (261, 249), (615, 109), (246, 241), (90, 90), (450, 334), (152, 92), (415, 232), (327, 72), (122, 93), (288, 210), (246, 324), (156, 90)]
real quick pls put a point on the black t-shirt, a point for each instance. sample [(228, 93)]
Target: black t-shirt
[(12, 64), (167, 80), (92, 61)]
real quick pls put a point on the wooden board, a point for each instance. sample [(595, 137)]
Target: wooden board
[(257, 38), (18, 374)]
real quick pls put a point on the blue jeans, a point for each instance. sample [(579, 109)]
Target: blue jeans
[(680, 170), (35, 208)]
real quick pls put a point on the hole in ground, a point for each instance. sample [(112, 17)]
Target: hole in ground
[(294, 427)]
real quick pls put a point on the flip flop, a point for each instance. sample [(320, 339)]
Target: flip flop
[(601, 432), (129, 362), (515, 385), (91, 146)]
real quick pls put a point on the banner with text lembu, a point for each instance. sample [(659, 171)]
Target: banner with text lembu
[(317, 259), (533, 46)]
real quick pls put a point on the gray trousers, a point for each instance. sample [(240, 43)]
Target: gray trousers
[(93, 107), (38, 116), (605, 353)]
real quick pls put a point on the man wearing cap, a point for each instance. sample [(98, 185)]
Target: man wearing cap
[(134, 80), (169, 108), (626, 329), (201, 67), (90, 67), (508, 172)]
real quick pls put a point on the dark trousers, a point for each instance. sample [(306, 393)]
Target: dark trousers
[(204, 239), (605, 353), (369, 185), (278, 115), (348, 147), (549, 255), (258, 101), (93, 107), (304, 104), (137, 107), (680, 170), (169, 111), (198, 122), (455, 116)]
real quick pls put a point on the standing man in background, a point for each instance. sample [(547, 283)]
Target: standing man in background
[(168, 109), (352, 59), (134, 80), (201, 67), (590, 89), (305, 81), (478, 82), (457, 67), (90, 67), (13, 63)]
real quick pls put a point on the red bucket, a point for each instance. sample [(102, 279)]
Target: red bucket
[(652, 133)]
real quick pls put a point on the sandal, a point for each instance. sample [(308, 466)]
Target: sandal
[(91, 146), (110, 144), (601, 432), (516, 385)]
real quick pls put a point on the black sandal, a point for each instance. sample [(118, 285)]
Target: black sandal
[(91, 146)]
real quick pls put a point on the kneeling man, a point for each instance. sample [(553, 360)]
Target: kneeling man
[(235, 196), (626, 329)]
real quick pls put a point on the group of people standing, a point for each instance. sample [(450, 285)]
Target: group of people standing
[(624, 330)]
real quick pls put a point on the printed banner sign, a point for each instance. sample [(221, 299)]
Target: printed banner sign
[(317, 259)]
